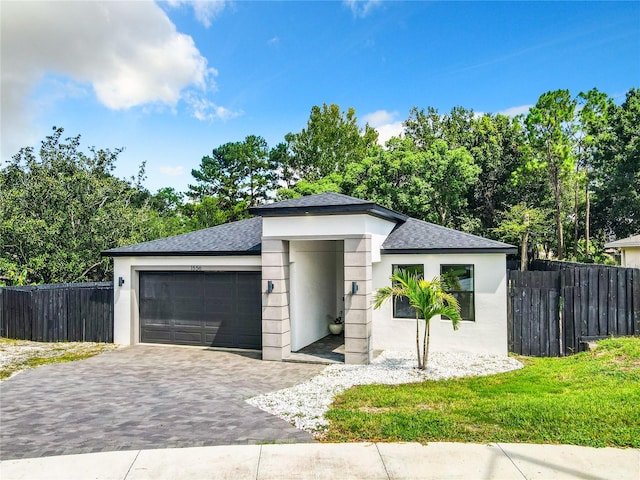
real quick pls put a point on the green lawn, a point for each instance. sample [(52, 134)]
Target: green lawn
[(592, 398)]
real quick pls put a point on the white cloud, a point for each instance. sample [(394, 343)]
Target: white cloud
[(203, 109), (204, 10), (379, 117), (361, 8), (513, 111), (273, 41), (130, 53), (385, 123), (172, 171)]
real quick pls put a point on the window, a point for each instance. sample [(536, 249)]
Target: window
[(459, 279), (401, 307)]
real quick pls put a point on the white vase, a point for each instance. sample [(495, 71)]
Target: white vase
[(336, 328)]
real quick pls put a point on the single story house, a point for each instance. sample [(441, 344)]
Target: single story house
[(274, 282), (629, 251)]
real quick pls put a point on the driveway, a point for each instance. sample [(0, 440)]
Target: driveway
[(144, 397)]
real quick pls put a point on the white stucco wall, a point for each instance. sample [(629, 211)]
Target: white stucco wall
[(126, 330), (313, 282), (488, 334), (327, 227), (630, 257)]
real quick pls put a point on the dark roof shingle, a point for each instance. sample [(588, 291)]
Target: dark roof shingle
[(243, 237), (327, 199), (416, 235), (328, 203)]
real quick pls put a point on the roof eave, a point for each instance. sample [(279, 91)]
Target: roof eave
[(234, 253), (366, 208), (398, 251)]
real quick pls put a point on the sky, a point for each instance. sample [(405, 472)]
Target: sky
[(170, 81)]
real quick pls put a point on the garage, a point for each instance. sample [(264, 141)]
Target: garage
[(217, 309)]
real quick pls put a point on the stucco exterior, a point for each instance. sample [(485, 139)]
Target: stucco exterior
[(630, 257), (487, 334), (126, 327), (318, 260), (629, 251)]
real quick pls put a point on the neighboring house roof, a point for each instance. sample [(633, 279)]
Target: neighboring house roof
[(416, 236), (244, 237), (326, 204), (633, 241)]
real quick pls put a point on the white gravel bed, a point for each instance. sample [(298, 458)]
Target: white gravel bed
[(304, 405), (14, 354)]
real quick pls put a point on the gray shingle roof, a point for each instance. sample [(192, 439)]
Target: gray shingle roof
[(328, 199), (418, 236), (633, 241), (326, 204), (243, 237)]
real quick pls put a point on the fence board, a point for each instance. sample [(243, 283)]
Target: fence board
[(635, 285), (612, 313), (60, 312), (621, 307), (603, 284), (567, 320), (555, 309), (554, 323), (629, 307)]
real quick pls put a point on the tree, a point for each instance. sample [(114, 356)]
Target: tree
[(428, 299), (595, 122), (61, 207), (208, 212), (331, 141), (496, 150), (617, 170), (330, 183), (430, 184), (551, 127), (238, 174), (522, 225)]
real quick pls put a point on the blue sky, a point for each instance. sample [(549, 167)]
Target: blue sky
[(169, 81)]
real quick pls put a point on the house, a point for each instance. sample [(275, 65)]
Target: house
[(274, 282), (629, 251)]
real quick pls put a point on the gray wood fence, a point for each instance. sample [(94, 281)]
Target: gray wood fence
[(557, 308), (58, 313)]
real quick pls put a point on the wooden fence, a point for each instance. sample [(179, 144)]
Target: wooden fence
[(559, 307), (58, 313)]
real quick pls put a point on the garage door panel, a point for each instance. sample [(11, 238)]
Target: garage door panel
[(206, 308), (188, 338), (221, 307), (158, 335)]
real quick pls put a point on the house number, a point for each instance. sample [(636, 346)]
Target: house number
[(196, 268)]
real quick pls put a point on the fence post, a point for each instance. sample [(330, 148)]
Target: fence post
[(635, 286)]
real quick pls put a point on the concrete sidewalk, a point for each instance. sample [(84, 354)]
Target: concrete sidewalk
[(338, 461)]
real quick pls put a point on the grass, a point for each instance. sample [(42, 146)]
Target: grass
[(591, 398), (18, 355)]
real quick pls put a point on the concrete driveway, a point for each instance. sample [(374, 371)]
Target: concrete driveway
[(144, 397)]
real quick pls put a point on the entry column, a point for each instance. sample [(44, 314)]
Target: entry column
[(358, 291), (276, 323)]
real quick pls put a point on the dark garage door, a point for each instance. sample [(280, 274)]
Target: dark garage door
[(219, 309)]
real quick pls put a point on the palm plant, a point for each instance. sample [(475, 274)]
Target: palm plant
[(428, 298)]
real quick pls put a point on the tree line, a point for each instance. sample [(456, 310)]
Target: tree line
[(558, 182)]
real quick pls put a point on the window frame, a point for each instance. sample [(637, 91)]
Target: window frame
[(394, 268), (472, 292)]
